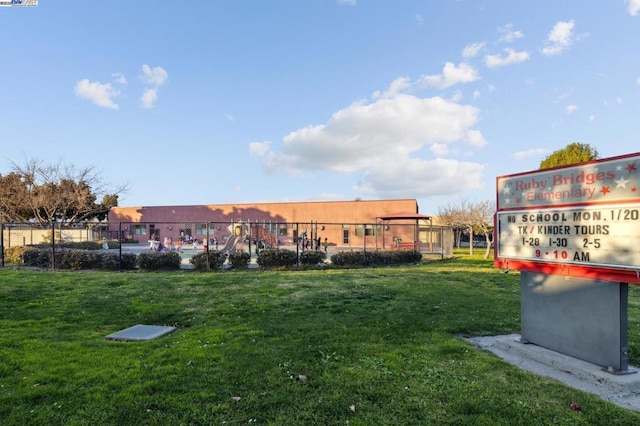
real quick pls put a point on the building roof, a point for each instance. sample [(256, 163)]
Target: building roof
[(404, 215)]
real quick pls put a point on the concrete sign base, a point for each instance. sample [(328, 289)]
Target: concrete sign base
[(579, 317)]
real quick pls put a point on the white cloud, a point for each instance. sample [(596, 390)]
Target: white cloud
[(457, 96), (618, 101), (399, 85), (634, 7), (472, 50), (451, 75), (507, 34), (119, 78), (530, 153), (259, 149), (419, 19), (98, 93), (383, 141), (149, 97), (476, 94), (570, 109), (475, 138), (511, 57), (638, 78), (439, 149), (416, 177), (592, 118), (156, 76), (560, 38), (347, 2)]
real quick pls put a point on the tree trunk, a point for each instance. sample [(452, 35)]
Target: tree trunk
[(487, 236)]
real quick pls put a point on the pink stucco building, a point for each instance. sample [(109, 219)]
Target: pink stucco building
[(343, 223)]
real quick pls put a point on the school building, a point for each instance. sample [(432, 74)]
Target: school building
[(379, 224)]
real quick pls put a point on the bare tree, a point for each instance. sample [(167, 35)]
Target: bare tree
[(482, 214), (58, 194), (457, 217), (468, 217)]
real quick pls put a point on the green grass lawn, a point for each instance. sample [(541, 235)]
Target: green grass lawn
[(331, 347)]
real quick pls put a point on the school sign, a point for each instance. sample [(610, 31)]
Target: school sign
[(581, 220)]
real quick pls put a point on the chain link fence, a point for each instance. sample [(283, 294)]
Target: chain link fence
[(189, 238)]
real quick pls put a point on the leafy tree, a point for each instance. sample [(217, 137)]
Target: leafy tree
[(571, 154)]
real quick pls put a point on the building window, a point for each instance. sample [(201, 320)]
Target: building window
[(282, 229), (201, 229), (138, 229), (368, 230)]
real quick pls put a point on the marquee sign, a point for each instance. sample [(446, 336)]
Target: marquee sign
[(581, 220)]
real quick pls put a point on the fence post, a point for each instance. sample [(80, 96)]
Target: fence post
[(2, 241), (364, 243), (208, 243), (120, 246), (297, 239)]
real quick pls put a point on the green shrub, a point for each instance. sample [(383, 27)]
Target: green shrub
[(76, 259), (376, 258), (239, 260), (215, 260), (40, 258), (129, 261), (158, 261), (277, 258), (15, 255), (311, 257)]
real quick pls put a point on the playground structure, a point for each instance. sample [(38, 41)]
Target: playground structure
[(241, 233), (265, 237), (238, 234)]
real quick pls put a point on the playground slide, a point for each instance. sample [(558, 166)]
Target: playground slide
[(231, 242)]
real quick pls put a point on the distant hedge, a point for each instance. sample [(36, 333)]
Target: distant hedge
[(376, 258), (78, 245), (40, 257)]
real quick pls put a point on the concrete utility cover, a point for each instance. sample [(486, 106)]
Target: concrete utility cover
[(141, 332)]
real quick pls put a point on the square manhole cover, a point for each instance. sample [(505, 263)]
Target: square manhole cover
[(141, 332)]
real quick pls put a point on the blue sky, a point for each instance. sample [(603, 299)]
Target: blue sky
[(207, 102)]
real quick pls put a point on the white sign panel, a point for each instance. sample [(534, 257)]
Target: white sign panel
[(590, 236)]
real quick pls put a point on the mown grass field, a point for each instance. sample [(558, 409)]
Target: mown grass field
[(333, 347)]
